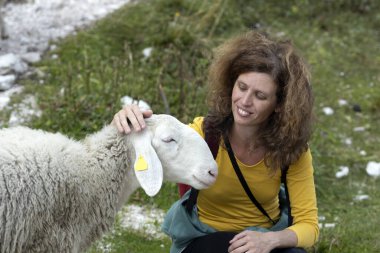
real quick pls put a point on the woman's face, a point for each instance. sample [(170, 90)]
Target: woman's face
[(253, 98)]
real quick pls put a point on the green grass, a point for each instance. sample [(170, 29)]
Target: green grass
[(340, 40), (131, 242)]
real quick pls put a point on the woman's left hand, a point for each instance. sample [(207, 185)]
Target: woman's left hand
[(250, 242)]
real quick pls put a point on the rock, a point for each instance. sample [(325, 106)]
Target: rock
[(7, 62), (11, 63), (31, 57), (356, 108), (5, 96), (4, 101), (20, 67), (6, 82)]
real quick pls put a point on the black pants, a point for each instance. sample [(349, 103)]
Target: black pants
[(219, 242)]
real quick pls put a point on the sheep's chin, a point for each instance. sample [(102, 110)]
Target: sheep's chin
[(202, 184)]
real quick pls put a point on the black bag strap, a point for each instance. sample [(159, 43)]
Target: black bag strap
[(242, 179), (284, 171)]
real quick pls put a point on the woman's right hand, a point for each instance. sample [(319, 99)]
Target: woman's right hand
[(134, 115)]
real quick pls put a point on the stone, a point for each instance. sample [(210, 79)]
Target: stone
[(31, 57), (7, 61), (6, 82)]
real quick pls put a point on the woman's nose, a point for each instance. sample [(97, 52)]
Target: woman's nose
[(247, 99)]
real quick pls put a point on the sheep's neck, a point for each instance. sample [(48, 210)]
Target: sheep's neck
[(112, 154)]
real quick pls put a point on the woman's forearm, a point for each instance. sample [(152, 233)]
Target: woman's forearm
[(282, 239)]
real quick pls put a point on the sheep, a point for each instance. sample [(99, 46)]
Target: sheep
[(60, 195)]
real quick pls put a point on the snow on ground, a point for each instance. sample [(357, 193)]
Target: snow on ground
[(373, 169), (343, 171)]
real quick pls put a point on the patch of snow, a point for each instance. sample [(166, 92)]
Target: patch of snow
[(348, 141), (147, 52), (329, 225), (361, 197), (343, 171), (328, 110), (54, 57), (342, 102), (359, 129), (373, 169), (326, 225)]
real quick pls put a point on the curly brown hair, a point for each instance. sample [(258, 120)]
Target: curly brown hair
[(286, 133)]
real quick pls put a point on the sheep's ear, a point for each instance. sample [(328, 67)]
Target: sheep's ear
[(148, 168)]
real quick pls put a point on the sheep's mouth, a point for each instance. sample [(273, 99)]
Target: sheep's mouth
[(201, 182)]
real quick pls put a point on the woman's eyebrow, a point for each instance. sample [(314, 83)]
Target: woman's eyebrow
[(242, 82)]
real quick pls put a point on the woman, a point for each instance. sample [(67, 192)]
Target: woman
[(260, 99)]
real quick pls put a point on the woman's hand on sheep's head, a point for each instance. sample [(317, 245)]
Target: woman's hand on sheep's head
[(132, 114)]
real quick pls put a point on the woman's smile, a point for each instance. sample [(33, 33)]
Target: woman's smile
[(253, 98), (242, 112)]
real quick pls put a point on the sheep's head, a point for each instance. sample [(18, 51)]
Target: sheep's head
[(172, 150)]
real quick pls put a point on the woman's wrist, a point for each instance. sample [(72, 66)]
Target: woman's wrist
[(282, 239), (273, 239)]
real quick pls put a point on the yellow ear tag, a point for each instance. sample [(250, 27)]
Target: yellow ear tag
[(141, 164)]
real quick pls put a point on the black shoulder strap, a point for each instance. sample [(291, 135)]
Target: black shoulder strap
[(212, 141), (284, 171), (242, 179)]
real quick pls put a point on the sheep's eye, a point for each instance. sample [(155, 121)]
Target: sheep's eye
[(168, 140)]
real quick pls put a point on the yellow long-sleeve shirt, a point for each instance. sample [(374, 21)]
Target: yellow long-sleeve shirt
[(226, 207)]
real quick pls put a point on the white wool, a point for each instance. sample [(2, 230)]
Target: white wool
[(59, 195)]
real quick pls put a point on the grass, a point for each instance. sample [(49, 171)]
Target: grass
[(340, 40)]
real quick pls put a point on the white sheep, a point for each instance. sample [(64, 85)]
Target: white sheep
[(60, 195)]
